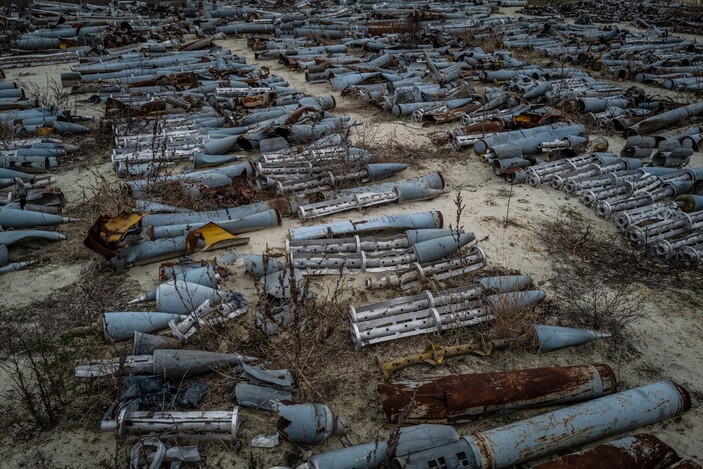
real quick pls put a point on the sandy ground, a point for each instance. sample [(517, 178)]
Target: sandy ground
[(670, 333)]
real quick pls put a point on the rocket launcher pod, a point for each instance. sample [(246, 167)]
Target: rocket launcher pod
[(399, 222), (207, 425)]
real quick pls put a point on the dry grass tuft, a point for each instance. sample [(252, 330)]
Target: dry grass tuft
[(511, 320)]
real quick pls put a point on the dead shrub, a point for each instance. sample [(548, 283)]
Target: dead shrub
[(582, 251), (594, 305), (35, 367), (51, 95)]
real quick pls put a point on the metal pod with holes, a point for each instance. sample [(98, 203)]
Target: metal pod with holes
[(208, 425)]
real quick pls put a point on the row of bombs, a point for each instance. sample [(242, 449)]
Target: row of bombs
[(428, 103), (22, 163), (30, 200), (389, 223), (670, 152), (32, 157), (435, 252), (202, 138), (311, 172), (420, 82), (28, 117), (199, 137), (334, 201), (660, 207), (654, 56), (605, 102), (41, 121), (165, 238), (139, 68), (434, 312), (13, 96), (509, 151), (657, 18)]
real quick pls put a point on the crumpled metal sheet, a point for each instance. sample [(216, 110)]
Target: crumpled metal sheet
[(107, 233)]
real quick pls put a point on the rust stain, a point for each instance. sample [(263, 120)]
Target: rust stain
[(457, 398), (485, 126), (166, 265), (282, 205), (295, 115), (645, 452), (450, 115), (259, 100), (484, 449)]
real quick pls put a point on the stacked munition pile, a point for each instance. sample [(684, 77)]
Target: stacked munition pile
[(209, 147)]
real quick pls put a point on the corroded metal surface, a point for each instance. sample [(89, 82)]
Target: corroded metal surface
[(642, 451), (456, 398)]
